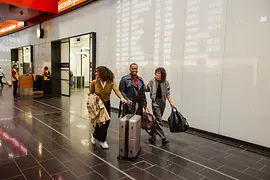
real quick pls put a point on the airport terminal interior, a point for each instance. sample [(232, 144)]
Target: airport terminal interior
[(215, 53)]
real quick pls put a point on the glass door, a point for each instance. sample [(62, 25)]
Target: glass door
[(65, 68), (20, 59), (79, 61), (27, 60), (86, 62)]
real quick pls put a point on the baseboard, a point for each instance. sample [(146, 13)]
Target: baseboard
[(258, 149), (265, 151)]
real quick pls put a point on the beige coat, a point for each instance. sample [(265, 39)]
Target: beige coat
[(97, 111)]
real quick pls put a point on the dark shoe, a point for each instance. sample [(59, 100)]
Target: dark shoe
[(164, 142)]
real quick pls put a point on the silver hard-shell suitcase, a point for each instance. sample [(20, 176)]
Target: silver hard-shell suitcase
[(129, 137)]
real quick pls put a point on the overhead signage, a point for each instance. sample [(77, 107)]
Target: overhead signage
[(67, 4), (9, 26)]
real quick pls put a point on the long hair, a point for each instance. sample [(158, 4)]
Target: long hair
[(105, 73), (162, 72)]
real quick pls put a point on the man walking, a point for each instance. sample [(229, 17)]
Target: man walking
[(2, 75), (132, 88)]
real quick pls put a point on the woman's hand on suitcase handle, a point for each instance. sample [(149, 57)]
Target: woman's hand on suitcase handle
[(124, 101)]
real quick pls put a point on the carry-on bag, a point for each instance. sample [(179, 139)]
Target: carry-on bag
[(149, 122), (8, 82), (177, 122), (129, 137)]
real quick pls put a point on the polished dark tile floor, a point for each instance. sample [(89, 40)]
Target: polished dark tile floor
[(49, 139)]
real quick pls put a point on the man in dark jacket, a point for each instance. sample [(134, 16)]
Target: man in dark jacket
[(132, 88)]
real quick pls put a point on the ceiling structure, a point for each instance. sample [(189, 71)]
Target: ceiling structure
[(15, 17), (50, 6), (11, 12), (16, 14)]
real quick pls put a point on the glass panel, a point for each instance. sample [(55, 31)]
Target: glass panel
[(20, 58), (65, 71), (65, 52), (79, 61), (27, 54), (64, 74), (65, 87)]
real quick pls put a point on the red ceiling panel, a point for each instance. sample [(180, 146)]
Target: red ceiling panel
[(42, 5)]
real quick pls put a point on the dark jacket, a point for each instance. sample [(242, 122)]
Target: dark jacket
[(130, 91)]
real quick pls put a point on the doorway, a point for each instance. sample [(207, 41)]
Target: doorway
[(74, 61), (80, 64), (23, 58)]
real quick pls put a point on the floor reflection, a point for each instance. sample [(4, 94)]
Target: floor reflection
[(49, 139)]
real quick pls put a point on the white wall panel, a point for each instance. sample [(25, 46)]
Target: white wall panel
[(216, 53), (203, 51), (245, 95)]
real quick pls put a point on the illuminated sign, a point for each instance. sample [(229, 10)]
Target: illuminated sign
[(9, 26), (66, 4)]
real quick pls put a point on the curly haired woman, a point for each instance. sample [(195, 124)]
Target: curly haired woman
[(102, 88), (159, 89)]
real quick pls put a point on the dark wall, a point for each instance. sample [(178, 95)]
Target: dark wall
[(14, 55), (56, 71), (93, 37)]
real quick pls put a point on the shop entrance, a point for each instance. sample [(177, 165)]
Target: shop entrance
[(80, 64), (23, 58), (74, 61)]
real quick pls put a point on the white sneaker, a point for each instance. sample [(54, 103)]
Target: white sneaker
[(104, 145), (93, 140)]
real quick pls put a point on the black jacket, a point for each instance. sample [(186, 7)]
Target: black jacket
[(131, 92)]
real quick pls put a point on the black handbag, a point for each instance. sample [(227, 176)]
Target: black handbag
[(177, 122)]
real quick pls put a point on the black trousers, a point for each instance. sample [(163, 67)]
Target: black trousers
[(100, 132), (46, 87), (1, 82), (15, 87)]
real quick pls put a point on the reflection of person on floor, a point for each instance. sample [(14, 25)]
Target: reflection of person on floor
[(2, 75), (132, 88), (102, 88), (159, 89), (15, 79)]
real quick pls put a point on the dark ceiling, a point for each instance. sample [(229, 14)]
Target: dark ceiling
[(10, 12)]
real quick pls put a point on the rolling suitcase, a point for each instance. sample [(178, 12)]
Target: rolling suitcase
[(129, 137)]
